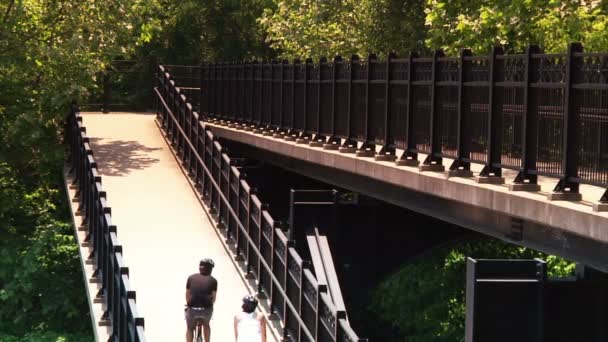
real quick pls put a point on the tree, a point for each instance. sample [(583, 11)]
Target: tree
[(50, 54), (328, 28), (481, 24), (192, 31), (425, 300)]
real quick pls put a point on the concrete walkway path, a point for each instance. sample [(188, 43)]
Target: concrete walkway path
[(161, 225)]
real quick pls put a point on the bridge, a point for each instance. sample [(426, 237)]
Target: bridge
[(523, 138)]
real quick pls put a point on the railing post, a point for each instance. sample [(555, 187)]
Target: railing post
[(410, 155), (290, 134), (304, 137), (333, 142), (350, 144), (568, 187), (270, 129), (214, 91), (318, 140), (434, 161), (368, 148), (461, 167), (526, 179), (387, 152), (281, 130), (243, 96), (250, 121), (106, 91), (259, 117), (492, 171)]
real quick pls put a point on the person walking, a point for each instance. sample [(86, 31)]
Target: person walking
[(201, 291), (249, 325)]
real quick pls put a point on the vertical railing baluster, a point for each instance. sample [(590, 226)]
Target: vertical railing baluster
[(492, 171), (318, 140), (368, 148), (214, 91), (333, 142), (461, 166), (304, 137), (350, 144), (434, 160), (527, 179), (568, 187), (281, 129), (387, 152), (410, 155), (291, 134)]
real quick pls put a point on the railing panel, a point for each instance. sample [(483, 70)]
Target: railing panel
[(328, 319), (548, 95), (312, 100), (266, 248), (277, 95), (398, 87), (279, 268), (299, 110), (358, 99), (377, 101), (310, 301), (509, 99), (342, 98), (254, 233), (293, 287), (235, 181), (288, 96), (266, 94), (243, 212), (591, 106), (326, 101), (258, 94), (476, 110), (225, 188), (248, 88)]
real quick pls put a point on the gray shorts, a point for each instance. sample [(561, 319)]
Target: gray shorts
[(191, 314)]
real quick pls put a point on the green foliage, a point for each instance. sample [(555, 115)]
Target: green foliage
[(425, 300), (328, 28), (312, 28), (191, 31), (46, 337), (514, 24), (393, 25), (50, 54)]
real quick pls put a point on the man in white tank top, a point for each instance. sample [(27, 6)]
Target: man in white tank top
[(249, 326)]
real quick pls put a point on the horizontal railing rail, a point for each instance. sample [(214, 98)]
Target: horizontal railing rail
[(538, 114), (110, 271), (258, 239)]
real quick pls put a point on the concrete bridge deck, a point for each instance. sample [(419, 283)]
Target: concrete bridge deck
[(161, 225)]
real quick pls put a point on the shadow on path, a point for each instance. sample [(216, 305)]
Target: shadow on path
[(120, 157)]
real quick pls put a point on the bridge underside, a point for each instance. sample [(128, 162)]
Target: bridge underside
[(562, 228)]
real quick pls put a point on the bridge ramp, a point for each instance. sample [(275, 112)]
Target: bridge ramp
[(161, 225)]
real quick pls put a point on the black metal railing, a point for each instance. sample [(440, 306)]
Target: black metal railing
[(538, 114), (304, 308), (106, 252)]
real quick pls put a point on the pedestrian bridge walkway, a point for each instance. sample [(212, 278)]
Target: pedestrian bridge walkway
[(162, 227)]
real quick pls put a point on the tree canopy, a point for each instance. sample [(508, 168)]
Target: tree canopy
[(53, 52)]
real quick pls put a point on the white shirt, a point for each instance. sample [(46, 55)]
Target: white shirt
[(248, 327)]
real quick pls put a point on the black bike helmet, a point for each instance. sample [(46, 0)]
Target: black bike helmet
[(207, 261), (250, 300)]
